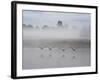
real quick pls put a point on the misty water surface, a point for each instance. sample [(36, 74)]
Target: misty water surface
[(45, 45)]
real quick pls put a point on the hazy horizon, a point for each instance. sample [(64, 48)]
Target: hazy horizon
[(40, 18), (66, 45)]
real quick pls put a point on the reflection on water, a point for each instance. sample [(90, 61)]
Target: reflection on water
[(36, 58), (55, 48)]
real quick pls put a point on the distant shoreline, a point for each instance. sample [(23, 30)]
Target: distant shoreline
[(59, 44)]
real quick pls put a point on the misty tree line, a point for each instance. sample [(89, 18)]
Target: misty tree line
[(84, 31), (59, 25)]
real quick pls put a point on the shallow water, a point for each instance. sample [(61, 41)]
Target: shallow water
[(55, 51), (36, 58)]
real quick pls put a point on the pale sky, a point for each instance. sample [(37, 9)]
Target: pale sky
[(40, 18), (81, 21)]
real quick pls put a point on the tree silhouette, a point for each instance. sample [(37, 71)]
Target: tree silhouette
[(59, 23), (45, 27), (29, 26), (37, 27), (24, 25)]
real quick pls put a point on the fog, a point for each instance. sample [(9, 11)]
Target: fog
[(55, 40), (72, 23)]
